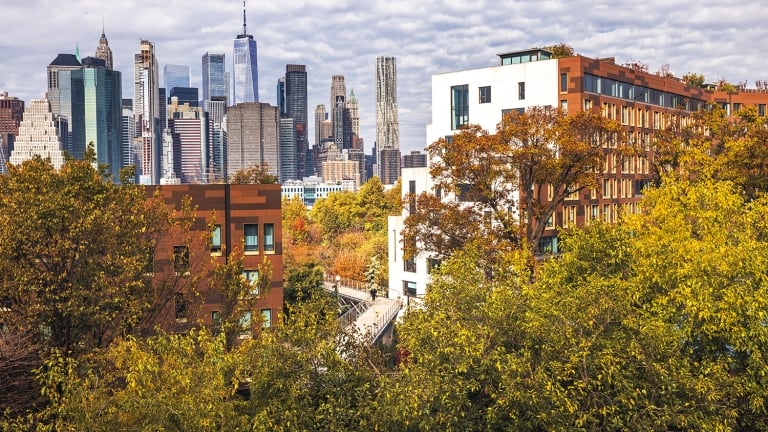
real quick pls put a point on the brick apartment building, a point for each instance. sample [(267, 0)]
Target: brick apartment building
[(640, 101), (248, 218)]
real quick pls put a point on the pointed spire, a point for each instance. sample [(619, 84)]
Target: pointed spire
[(352, 94), (77, 51), (102, 27), (244, 32)]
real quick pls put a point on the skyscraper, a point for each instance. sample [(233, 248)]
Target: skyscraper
[(175, 76), (288, 163), (296, 108), (281, 95), (102, 112), (38, 135), (387, 126), (60, 94), (354, 121), (146, 103), (320, 116), (11, 114), (187, 126), (217, 141), (103, 51), (128, 149), (252, 137), (215, 78), (246, 77), (338, 103)]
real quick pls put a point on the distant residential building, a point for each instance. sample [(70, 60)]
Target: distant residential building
[(215, 78), (245, 67), (38, 135), (337, 171), (148, 111), (252, 137), (176, 76), (11, 114), (387, 125), (416, 159)]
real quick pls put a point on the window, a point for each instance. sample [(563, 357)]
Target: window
[(181, 259), (216, 320), (409, 289), (587, 105), (736, 107), (563, 82), (459, 106), (180, 307), (409, 265), (485, 94), (216, 240), (521, 90), (149, 261), (266, 318), (761, 109), (252, 277), (245, 325), (432, 264), (606, 188), (595, 212), (251, 232), (269, 237), (564, 105), (572, 192)]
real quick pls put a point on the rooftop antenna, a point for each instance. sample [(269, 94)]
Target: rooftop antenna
[(244, 32)]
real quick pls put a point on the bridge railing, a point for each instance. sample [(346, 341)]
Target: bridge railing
[(351, 315), (383, 319), (381, 290)]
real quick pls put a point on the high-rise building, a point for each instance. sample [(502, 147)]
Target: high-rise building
[(387, 126), (281, 95), (416, 159), (187, 126), (246, 76), (176, 76), (185, 95), (11, 114), (338, 104), (252, 137), (128, 151), (389, 165), (296, 108), (215, 78), (354, 121), (103, 51), (147, 111), (288, 163), (320, 116), (101, 118), (217, 141), (38, 135), (65, 99)]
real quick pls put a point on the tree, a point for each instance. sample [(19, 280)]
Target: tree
[(302, 284), (253, 175), (636, 66), (693, 79), (561, 50), (73, 252)]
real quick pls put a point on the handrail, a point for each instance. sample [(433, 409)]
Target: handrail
[(381, 321), (352, 314), (357, 285)]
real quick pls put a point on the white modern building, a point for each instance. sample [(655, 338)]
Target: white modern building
[(38, 135)]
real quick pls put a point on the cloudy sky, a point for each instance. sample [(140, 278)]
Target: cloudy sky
[(717, 39)]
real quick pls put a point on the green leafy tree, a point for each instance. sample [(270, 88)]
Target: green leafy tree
[(693, 79), (253, 175), (73, 252)]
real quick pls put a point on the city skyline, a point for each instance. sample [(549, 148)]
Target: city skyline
[(343, 37)]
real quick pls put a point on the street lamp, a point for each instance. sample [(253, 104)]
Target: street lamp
[(336, 286)]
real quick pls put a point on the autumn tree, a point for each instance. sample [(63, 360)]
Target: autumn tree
[(561, 50), (693, 79), (73, 253), (257, 174)]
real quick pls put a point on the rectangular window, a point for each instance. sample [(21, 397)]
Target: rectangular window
[(266, 318), (181, 258), (409, 289), (252, 277), (736, 107), (216, 240), (269, 237), (564, 105), (485, 94), (216, 319), (245, 325), (432, 264), (149, 261), (459, 106), (595, 212), (761, 109), (563, 82), (409, 265), (180, 307), (606, 188), (251, 232), (587, 105), (521, 90)]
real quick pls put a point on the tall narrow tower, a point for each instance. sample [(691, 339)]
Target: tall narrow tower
[(296, 108), (387, 126), (246, 77), (146, 108)]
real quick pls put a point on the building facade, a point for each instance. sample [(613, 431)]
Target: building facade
[(252, 137), (38, 135), (416, 159), (296, 108), (248, 219), (387, 125), (215, 78), (103, 51), (176, 76), (11, 114), (147, 110)]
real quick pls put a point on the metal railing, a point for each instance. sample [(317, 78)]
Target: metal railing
[(382, 320), (362, 286), (351, 315)]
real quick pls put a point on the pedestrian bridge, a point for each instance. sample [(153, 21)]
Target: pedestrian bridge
[(369, 317)]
